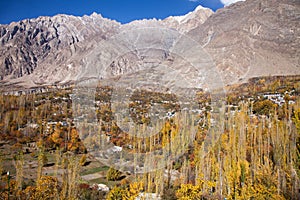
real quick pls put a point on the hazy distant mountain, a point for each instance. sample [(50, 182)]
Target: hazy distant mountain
[(246, 39)]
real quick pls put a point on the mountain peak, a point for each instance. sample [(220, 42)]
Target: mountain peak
[(190, 20), (94, 14), (192, 14), (201, 8)]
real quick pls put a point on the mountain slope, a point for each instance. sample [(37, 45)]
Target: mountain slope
[(246, 39), (253, 38), (35, 43)]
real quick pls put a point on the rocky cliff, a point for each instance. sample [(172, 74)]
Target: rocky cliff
[(33, 45)]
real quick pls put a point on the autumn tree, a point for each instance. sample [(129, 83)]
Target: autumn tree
[(47, 189), (113, 174), (189, 192)]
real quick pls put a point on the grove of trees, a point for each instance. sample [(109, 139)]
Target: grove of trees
[(257, 155)]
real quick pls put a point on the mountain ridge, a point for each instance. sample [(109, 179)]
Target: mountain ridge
[(245, 39)]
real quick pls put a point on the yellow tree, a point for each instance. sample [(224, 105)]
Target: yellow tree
[(47, 189), (134, 189), (117, 193), (113, 174), (296, 120), (189, 192), (19, 172), (42, 160)]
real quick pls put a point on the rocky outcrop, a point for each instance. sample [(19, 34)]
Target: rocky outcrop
[(27, 44)]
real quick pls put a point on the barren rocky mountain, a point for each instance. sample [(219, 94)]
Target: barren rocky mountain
[(44, 45), (246, 39), (253, 38)]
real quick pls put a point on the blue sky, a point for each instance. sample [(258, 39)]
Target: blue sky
[(121, 10)]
